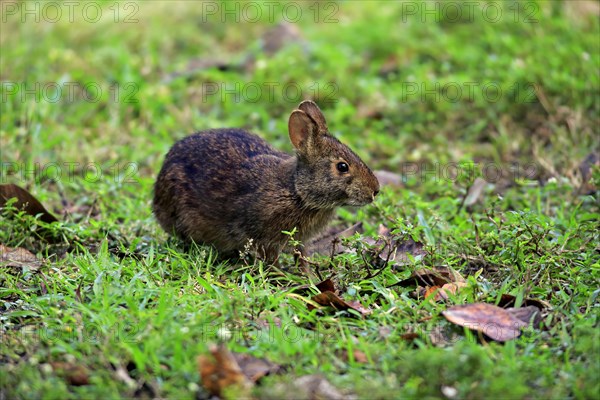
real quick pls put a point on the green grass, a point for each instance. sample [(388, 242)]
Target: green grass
[(116, 293)]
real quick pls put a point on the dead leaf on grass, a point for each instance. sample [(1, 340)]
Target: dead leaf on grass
[(326, 285), (25, 201), (388, 178), (388, 248), (438, 276), (74, 374), (329, 297), (436, 293), (220, 370), (410, 336), (495, 322), (280, 36), (317, 387), (509, 300), (357, 355), (255, 368), (223, 369), (333, 300), (330, 244), (18, 258), (527, 314), (474, 192)]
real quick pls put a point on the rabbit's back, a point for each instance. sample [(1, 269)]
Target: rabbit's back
[(204, 179)]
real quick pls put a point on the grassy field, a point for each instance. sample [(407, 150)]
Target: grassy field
[(94, 96)]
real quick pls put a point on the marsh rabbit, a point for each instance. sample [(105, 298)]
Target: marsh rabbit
[(224, 187)]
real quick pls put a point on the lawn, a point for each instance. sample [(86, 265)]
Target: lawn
[(484, 115)]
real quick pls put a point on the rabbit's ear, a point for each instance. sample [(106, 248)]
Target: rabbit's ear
[(312, 109), (301, 129)]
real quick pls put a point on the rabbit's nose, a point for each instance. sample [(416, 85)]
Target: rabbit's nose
[(375, 193)]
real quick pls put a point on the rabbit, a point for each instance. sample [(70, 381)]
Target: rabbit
[(228, 187)]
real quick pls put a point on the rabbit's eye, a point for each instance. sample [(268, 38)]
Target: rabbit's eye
[(342, 167)]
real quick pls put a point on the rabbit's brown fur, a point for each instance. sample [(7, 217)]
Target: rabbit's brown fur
[(227, 186)]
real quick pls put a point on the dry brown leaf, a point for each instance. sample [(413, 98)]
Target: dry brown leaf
[(25, 201), (76, 375), (18, 258), (329, 297), (122, 375), (509, 300), (255, 368), (431, 291), (410, 336), (438, 276), (527, 314), (444, 292), (388, 178), (224, 369), (474, 192), (220, 370), (385, 331), (443, 337), (495, 322), (387, 248), (317, 387), (330, 243), (281, 35), (326, 285), (333, 300), (357, 355)]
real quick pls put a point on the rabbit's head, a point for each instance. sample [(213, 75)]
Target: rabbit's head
[(329, 174)]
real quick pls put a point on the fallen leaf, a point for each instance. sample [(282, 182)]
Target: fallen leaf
[(474, 192), (18, 258), (317, 387), (431, 291), (527, 314), (220, 370), (385, 331), (25, 201), (387, 248), (279, 36), (76, 375), (255, 368), (326, 285), (268, 323), (390, 66), (509, 300), (333, 300), (329, 297), (122, 375), (438, 276), (357, 355), (585, 168), (444, 292), (388, 178), (495, 322), (330, 243), (369, 111), (410, 336), (443, 336)]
